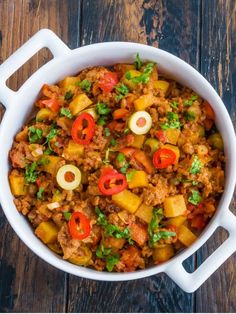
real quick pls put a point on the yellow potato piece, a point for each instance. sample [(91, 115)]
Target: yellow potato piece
[(17, 184), (163, 254), (143, 102), (139, 179), (47, 232), (174, 206), (138, 141), (79, 103), (176, 221), (127, 200), (186, 236), (162, 85), (51, 166), (145, 212)]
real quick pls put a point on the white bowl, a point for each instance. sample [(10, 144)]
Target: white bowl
[(68, 62)]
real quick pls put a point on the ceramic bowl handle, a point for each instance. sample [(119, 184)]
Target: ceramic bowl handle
[(45, 38), (190, 282)]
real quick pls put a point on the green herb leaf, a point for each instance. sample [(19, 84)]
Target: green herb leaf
[(111, 261), (113, 142), (130, 175), (143, 77), (52, 133), (66, 112), (67, 215), (190, 101), (107, 132), (85, 85), (138, 63), (101, 121), (102, 109), (195, 198), (40, 193), (174, 104), (35, 134), (126, 130), (124, 168), (172, 123), (68, 95), (120, 157), (162, 235), (30, 172), (43, 161), (189, 115), (196, 165), (122, 90)]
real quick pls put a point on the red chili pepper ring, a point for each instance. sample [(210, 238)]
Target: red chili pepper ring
[(83, 128), (79, 226), (112, 183)]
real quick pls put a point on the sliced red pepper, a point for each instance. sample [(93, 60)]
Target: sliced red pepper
[(208, 110), (83, 128), (53, 104), (112, 183), (120, 113), (160, 135), (163, 157), (107, 83), (38, 182), (79, 226)]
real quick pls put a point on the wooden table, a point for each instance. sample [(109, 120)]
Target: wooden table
[(201, 32)]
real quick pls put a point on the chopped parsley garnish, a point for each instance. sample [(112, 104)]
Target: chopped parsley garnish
[(110, 258), (68, 95), (124, 168), (113, 142), (66, 112), (30, 172), (190, 101), (110, 229), (103, 112), (196, 165), (189, 115), (85, 85), (129, 175), (40, 193), (174, 104), (35, 134), (156, 235), (67, 215), (143, 77), (120, 157), (122, 90), (172, 122), (52, 133), (195, 198), (102, 109), (126, 130), (107, 132), (138, 62)]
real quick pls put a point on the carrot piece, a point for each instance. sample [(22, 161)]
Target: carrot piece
[(120, 113)]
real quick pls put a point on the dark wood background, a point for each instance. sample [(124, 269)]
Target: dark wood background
[(202, 32)]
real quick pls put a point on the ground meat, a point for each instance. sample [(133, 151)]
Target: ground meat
[(23, 204), (19, 155), (36, 218), (156, 193), (99, 141), (92, 160), (130, 260), (69, 245)]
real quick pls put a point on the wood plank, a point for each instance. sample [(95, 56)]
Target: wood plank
[(150, 22), (26, 282), (218, 64)]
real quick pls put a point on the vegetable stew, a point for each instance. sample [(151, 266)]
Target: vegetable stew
[(119, 169)]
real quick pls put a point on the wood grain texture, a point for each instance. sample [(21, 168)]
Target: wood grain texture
[(27, 284), (199, 31), (154, 23), (218, 65)]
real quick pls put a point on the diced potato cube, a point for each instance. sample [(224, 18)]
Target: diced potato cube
[(174, 206), (83, 256), (17, 184), (161, 85), (163, 254), (57, 197), (186, 236), (44, 114), (128, 82), (127, 200), (139, 179), (47, 232), (172, 136), (79, 103), (114, 243), (175, 149), (73, 150), (176, 221), (68, 81), (138, 141), (143, 102), (51, 166), (145, 212)]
